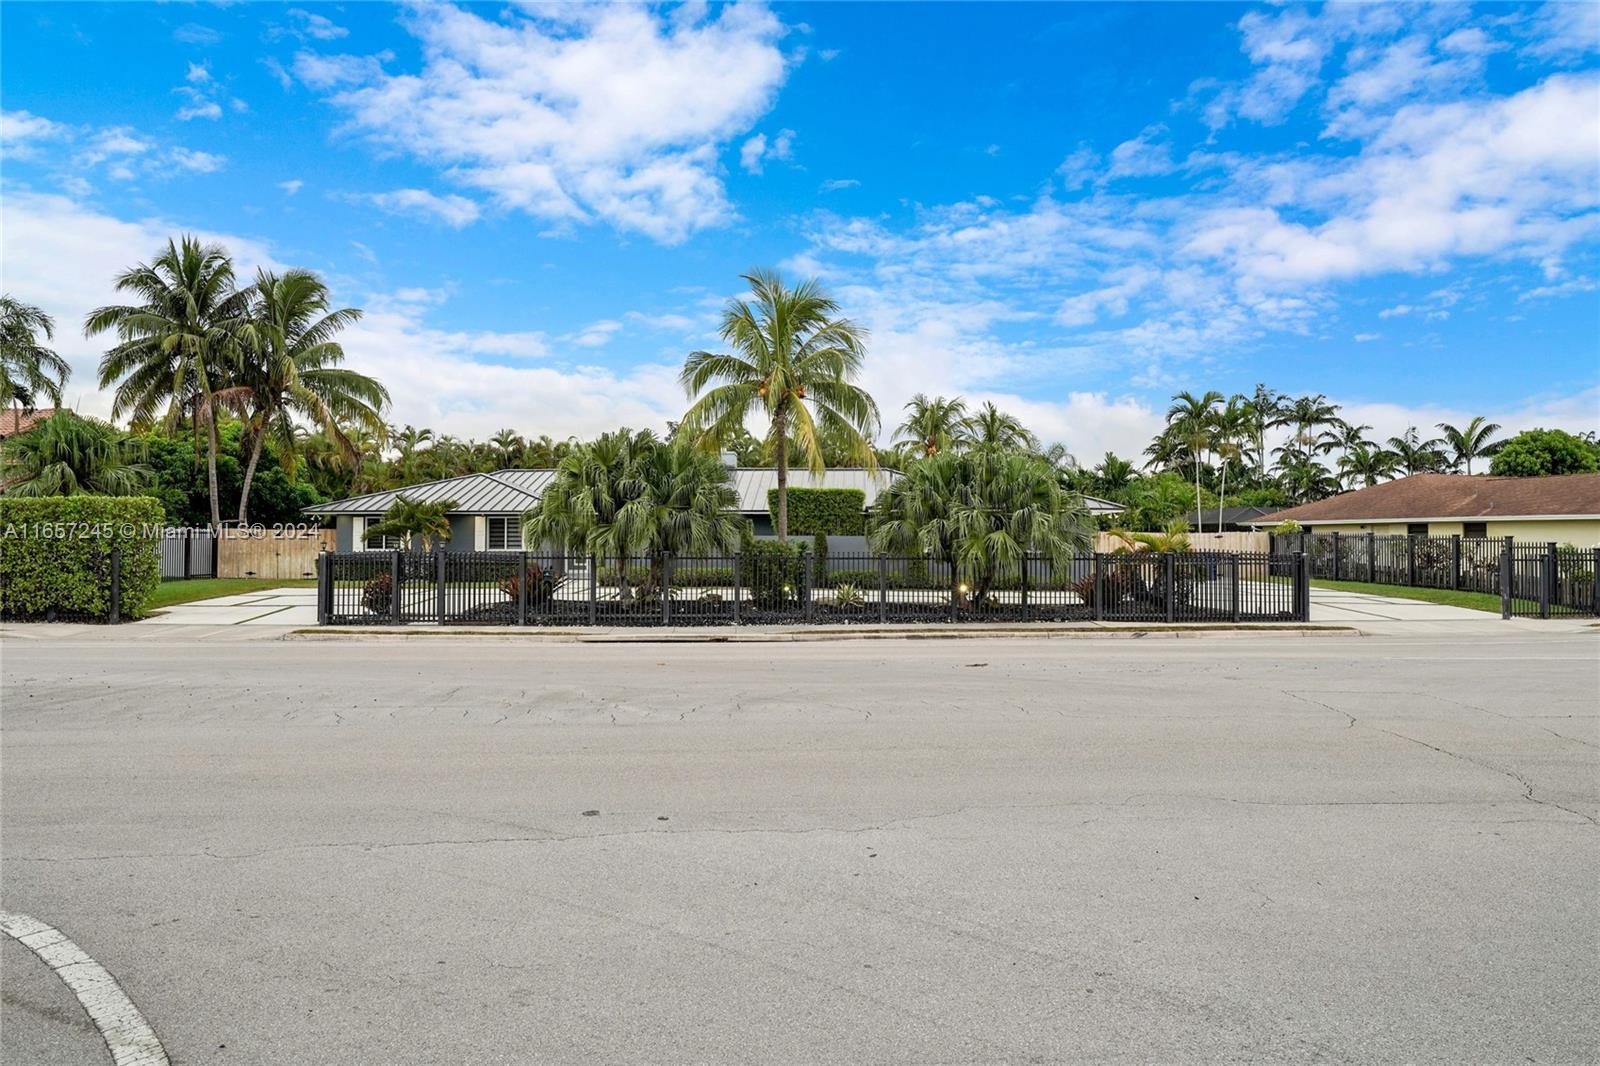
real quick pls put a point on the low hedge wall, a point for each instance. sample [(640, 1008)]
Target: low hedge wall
[(839, 512), (55, 555)]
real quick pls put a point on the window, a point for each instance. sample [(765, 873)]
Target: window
[(378, 543), (505, 535), (1475, 529), (1417, 529)]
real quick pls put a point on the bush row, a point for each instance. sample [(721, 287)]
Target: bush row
[(55, 555)]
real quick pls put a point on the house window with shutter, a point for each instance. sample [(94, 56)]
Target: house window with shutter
[(504, 534), (379, 543), (1479, 530), (1417, 529)]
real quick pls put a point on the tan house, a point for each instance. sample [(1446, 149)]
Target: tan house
[(1564, 509)]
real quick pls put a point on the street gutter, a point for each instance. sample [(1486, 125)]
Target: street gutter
[(788, 635)]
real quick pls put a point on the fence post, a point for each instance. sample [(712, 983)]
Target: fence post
[(1168, 584), (666, 588), (594, 592), (1455, 560), (188, 564), (808, 578), (1027, 609), (1547, 579), (1594, 570), (396, 615), (883, 588), (1372, 558), (1506, 584), (738, 583), (522, 589), (1336, 555), (1233, 586), (955, 594), (216, 540), (439, 588), (116, 584), (1099, 587), (324, 587)]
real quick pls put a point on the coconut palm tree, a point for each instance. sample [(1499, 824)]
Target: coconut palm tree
[(416, 522), (1191, 421), (1415, 455), (628, 493), (1230, 426), (932, 425), (66, 455), (174, 345), (990, 427), (289, 365), (982, 511), (1306, 416), (28, 368), (1471, 441), (1366, 465), (794, 361)]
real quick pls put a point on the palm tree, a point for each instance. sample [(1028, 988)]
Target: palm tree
[(1265, 409), (628, 493), (932, 425), (1415, 455), (795, 362), (416, 522), (174, 343), (1113, 474), (982, 511), (290, 366), (508, 446), (1306, 480), (1367, 465), (1190, 421), (1307, 415), (1470, 442), (408, 443), (1229, 427), (27, 367), (66, 455), (990, 427)]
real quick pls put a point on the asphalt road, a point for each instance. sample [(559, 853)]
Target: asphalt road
[(985, 851)]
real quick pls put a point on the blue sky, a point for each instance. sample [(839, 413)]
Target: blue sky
[(1075, 210)]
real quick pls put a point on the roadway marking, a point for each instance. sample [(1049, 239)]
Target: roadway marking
[(128, 1036)]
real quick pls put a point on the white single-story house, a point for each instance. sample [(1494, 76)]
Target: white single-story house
[(488, 510), (1563, 509)]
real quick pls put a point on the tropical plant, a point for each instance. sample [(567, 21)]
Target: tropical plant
[(1306, 416), (1364, 465), (1544, 452), (627, 494), (1191, 422), (1263, 412), (1230, 426), (28, 369), (174, 343), (847, 596), (932, 425), (794, 361), (1471, 441), (418, 523), (1413, 455), (1307, 480), (981, 511), (66, 455), (1173, 538), (990, 427), (289, 365)]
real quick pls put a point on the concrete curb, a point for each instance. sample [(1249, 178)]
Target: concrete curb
[(786, 635)]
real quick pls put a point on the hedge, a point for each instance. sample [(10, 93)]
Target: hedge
[(55, 555), (831, 512)]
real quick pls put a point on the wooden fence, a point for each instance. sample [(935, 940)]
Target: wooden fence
[(278, 554)]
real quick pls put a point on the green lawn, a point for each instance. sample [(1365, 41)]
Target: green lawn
[(169, 593), (1477, 601)]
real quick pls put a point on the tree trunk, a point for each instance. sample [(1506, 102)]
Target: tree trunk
[(780, 427), (1199, 505), (250, 475), (213, 445), (1220, 496)]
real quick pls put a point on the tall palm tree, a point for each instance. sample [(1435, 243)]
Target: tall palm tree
[(1415, 455), (1230, 426), (1470, 441), (409, 444), (1307, 480), (174, 345), (1265, 408), (1366, 465), (932, 425), (27, 367), (66, 455), (1306, 416), (508, 446), (1190, 419), (289, 365), (1113, 474), (795, 361), (990, 427)]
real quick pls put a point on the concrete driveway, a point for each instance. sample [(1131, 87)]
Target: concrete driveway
[(450, 849), (272, 607)]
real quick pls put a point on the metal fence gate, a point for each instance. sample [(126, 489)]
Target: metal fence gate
[(188, 552)]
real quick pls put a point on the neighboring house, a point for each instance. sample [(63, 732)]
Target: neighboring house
[(1564, 509), (489, 507), (14, 420), (1234, 519)]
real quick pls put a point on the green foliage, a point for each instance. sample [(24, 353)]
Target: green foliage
[(832, 512), (54, 554), (415, 522), (178, 462), (775, 573), (1287, 528), (67, 455), (1544, 452)]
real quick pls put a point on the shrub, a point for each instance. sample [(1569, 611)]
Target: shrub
[(1542, 453), (775, 573), (839, 512), (55, 554), (377, 595), (541, 584)]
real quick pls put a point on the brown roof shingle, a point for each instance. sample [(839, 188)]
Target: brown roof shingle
[(1454, 496), (13, 421)]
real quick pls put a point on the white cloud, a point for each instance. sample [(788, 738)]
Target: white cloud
[(196, 161), (1565, 288), (596, 335), (756, 152), (194, 33), (1367, 338), (835, 184), (573, 113), (1143, 156), (318, 27), (22, 131), (198, 73), (199, 107), (292, 186), (452, 210)]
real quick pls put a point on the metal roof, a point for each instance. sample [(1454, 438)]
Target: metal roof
[(514, 491)]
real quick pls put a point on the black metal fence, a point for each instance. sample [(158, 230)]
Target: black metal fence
[(188, 552), (537, 588), (1543, 580)]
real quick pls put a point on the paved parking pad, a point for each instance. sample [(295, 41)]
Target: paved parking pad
[(274, 607)]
